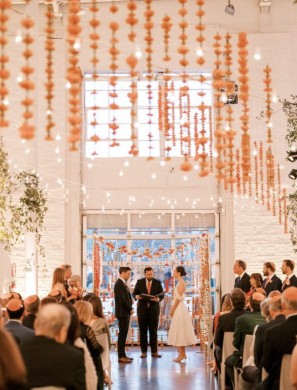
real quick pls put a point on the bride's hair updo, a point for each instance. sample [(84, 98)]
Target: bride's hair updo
[(181, 270)]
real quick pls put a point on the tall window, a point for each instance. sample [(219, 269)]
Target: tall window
[(151, 139)]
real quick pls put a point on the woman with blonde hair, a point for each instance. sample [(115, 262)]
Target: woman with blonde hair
[(12, 368), (85, 311), (58, 284)]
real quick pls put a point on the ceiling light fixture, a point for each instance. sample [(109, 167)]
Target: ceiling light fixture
[(293, 174), (292, 156), (230, 8)]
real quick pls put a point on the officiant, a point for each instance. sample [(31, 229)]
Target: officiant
[(148, 311)]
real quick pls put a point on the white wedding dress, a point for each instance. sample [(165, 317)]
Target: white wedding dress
[(181, 332)]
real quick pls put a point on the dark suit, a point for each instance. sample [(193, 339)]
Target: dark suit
[(292, 282), (226, 323), (244, 325), (243, 283), (28, 321), (148, 313), (259, 338), (50, 363), (21, 333), (278, 341), (274, 284), (123, 308)]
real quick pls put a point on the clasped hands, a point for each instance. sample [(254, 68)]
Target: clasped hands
[(155, 299)]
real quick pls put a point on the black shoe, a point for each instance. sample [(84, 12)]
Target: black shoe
[(156, 355), (143, 355), (124, 360), (129, 358)]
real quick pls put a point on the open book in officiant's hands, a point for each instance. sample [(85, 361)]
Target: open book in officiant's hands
[(149, 297)]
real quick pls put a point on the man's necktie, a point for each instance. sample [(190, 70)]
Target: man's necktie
[(149, 285), (285, 282)]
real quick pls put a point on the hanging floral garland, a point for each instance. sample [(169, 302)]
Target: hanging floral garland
[(200, 28), (204, 289), (73, 73), (244, 97), (148, 25), (96, 268), (183, 50), (256, 176), (114, 52), (132, 62), (238, 175), (210, 138), (27, 129), (268, 111), (279, 195), (218, 84), (230, 134), (5, 5), (261, 174), (49, 71), (285, 211), (94, 39)]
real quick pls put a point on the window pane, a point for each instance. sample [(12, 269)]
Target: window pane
[(144, 130), (144, 148), (122, 150)]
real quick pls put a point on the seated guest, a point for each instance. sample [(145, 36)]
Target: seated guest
[(73, 338), (277, 316), (85, 311), (251, 371), (226, 322), (13, 371), (15, 311), (32, 304), (287, 269), (293, 370), (271, 282), (243, 279), (101, 329), (48, 360), (280, 340), (244, 325), (47, 300)]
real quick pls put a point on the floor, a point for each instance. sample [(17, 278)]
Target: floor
[(162, 373)]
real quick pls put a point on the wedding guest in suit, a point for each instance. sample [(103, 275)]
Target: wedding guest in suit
[(32, 304), (291, 279), (280, 340), (226, 322), (15, 311), (244, 325), (271, 282), (123, 311), (293, 370), (148, 311), (13, 371), (49, 361), (243, 279)]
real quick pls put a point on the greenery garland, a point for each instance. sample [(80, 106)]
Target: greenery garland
[(290, 110), (22, 205)]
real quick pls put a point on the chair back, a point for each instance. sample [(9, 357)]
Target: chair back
[(284, 383), (246, 349), (228, 349)]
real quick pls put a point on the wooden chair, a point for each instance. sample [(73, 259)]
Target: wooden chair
[(284, 383), (105, 356), (228, 349), (246, 353)]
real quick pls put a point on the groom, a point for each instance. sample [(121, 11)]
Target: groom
[(148, 311)]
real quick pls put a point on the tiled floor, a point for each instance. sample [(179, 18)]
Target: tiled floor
[(162, 373)]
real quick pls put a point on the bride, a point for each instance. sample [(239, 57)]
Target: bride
[(181, 332)]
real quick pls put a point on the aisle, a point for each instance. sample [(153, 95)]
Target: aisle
[(162, 373)]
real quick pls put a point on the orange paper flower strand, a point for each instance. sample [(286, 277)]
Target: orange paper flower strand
[(285, 211), (27, 129), (203, 140), (5, 5), (114, 52), (261, 174), (210, 138), (230, 134), (218, 84), (279, 195), (238, 175), (148, 25), (244, 97), (131, 19), (256, 176), (49, 71), (74, 74), (94, 46), (268, 111), (200, 28)]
